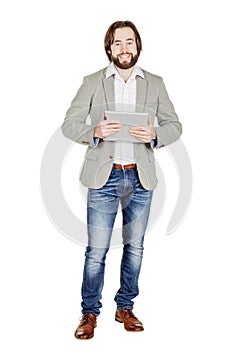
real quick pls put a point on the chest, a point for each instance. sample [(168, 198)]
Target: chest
[(125, 93)]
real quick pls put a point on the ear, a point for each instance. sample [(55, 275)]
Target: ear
[(109, 55)]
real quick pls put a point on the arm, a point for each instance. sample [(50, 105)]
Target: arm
[(169, 129), (74, 126)]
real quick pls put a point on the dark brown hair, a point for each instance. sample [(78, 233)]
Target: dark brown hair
[(109, 36)]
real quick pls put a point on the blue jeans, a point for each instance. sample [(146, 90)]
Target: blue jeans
[(122, 187)]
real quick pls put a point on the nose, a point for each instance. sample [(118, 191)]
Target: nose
[(124, 48)]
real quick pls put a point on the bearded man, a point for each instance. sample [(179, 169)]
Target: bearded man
[(120, 172)]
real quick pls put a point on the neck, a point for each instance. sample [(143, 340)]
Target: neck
[(125, 73)]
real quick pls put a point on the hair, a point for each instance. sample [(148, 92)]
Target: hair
[(109, 36)]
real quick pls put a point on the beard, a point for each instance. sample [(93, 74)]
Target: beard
[(127, 65)]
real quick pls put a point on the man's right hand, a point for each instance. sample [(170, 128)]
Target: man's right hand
[(106, 128)]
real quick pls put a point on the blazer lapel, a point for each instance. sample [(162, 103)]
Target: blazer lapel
[(109, 92), (142, 86)]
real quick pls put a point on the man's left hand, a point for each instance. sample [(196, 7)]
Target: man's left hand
[(144, 133)]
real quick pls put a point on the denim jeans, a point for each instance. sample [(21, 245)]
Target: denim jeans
[(122, 187)]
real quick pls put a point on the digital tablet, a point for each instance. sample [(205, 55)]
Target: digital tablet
[(127, 119)]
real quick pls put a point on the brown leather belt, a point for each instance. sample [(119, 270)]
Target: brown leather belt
[(124, 167)]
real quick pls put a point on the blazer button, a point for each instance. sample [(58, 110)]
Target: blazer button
[(111, 157)]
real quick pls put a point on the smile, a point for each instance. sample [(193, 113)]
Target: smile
[(125, 57)]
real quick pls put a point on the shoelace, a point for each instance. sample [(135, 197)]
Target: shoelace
[(86, 319), (129, 314)]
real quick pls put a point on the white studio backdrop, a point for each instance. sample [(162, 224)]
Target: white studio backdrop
[(186, 289)]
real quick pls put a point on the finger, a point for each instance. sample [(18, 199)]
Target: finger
[(112, 126), (150, 121), (113, 121), (109, 122), (142, 135), (139, 131), (108, 132), (137, 128)]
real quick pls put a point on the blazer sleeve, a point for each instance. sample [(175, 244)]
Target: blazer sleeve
[(74, 126), (169, 129)]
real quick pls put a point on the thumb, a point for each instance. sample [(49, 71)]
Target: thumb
[(150, 121)]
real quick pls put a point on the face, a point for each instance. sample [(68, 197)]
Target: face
[(124, 48)]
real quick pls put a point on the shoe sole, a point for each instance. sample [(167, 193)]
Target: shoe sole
[(118, 319)]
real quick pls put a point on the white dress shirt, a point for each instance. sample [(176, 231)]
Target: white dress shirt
[(125, 101)]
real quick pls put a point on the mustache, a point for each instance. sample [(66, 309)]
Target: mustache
[(125, 53)]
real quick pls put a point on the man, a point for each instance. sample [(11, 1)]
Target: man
[(118, 172)]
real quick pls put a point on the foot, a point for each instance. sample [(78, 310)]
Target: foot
[(131, 323), (86, 327)]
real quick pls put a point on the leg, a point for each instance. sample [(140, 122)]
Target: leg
[(102, 209), (93, 279), (135, 218)]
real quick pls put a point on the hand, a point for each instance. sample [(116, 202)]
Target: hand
[(106, 128), (144, 133)]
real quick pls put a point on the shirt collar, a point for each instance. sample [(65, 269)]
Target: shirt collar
[(111, 70)]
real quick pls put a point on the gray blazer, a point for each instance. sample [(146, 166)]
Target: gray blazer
[(97, 95)]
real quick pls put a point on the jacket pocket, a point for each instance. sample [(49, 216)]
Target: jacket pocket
[(91, 154)]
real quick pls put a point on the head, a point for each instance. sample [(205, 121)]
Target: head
[(123, 44)]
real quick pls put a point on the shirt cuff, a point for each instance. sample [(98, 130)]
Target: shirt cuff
[(153, 143), (95, 141)]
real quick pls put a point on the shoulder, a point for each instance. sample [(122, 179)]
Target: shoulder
[(154, 81), (95, 77), (151, 76)]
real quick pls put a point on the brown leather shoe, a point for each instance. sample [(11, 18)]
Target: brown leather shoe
[(131, 323), (86, 327)]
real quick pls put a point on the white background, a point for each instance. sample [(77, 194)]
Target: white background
[(186, 281)]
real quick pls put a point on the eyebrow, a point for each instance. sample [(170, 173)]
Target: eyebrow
[(118, 40)]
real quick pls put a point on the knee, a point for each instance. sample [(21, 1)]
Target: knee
[(135, 248), (96, 255)]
